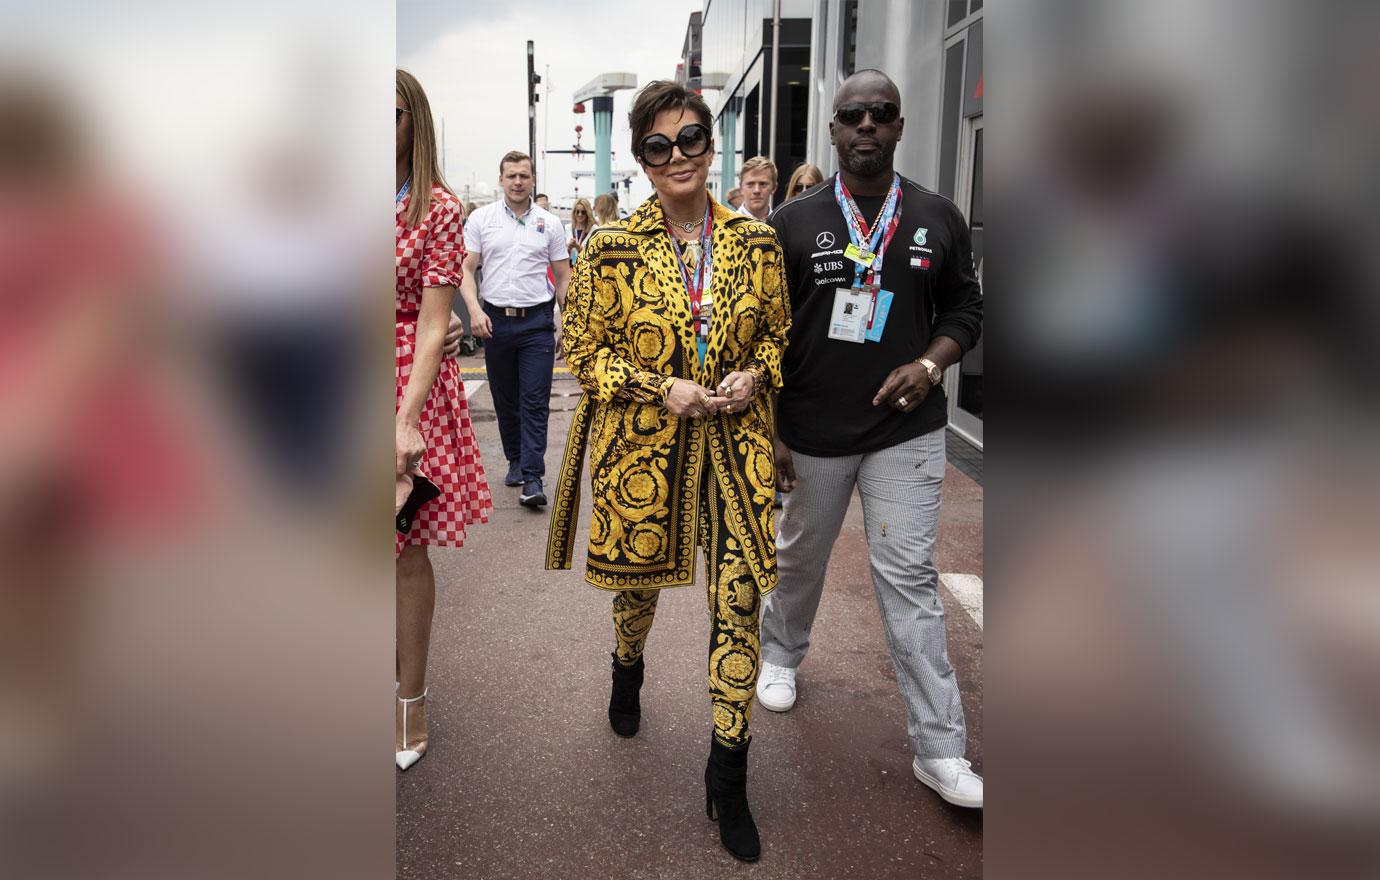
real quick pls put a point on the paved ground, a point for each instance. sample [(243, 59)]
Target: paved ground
[(524, 779)]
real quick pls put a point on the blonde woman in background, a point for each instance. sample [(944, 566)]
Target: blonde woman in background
[(581, 225), (804, 177), (605, 209)]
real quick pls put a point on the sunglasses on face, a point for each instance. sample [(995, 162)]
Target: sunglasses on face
[(693, 141), (882, 112)]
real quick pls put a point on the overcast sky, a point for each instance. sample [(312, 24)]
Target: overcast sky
[(471, 59)]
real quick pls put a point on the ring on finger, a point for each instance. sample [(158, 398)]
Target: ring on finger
[(901, 401)]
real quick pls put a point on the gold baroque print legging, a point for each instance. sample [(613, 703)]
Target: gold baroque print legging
[(733, 629)]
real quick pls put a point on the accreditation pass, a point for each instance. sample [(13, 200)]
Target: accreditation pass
[(852, 311)]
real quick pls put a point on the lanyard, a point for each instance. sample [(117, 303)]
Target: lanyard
[(695, 284), (402, 193), (878, 238)]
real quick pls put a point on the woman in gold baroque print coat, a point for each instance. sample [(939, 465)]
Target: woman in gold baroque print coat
[(675, 324)]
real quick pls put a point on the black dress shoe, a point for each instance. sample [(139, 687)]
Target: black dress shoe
[(532, 495), (725, 798), (625, 704), (514, 477)]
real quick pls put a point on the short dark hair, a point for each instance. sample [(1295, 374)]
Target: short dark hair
[(514, 156), (659, 95)]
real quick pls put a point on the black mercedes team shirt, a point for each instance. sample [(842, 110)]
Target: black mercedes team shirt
[(826, 403)]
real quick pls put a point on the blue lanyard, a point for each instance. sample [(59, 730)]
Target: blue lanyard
[(402, 193), (879, 236)]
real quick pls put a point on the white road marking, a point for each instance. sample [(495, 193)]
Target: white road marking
[(967, 588), (472, 387)]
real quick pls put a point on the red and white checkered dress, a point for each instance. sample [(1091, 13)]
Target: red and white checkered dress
[(429, 255)]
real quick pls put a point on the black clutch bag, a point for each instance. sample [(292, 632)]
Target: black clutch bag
[(423, 490)]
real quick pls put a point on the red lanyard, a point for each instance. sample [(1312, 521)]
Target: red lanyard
[(694, 284), (864, 235)]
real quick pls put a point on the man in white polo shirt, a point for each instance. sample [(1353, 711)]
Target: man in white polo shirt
[(517, 242)]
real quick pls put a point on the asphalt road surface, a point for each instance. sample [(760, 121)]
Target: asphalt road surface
[(524, 778)]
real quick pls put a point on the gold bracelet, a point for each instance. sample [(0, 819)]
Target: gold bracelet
[(665, 388), (755, 371)]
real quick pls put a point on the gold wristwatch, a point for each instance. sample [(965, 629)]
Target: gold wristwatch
[(932, 370)]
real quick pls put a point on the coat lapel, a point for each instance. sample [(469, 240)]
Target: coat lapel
[(654, 243), (729, 254)]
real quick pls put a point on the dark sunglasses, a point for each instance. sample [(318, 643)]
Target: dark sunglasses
[(882, 112), (693, 141)]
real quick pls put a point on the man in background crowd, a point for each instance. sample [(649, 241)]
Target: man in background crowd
[(521, 247), (757, 179)]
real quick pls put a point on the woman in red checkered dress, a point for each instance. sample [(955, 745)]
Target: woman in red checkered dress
[(432, 427)]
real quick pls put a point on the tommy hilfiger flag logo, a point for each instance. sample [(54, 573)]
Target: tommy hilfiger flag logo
[(919, 262)]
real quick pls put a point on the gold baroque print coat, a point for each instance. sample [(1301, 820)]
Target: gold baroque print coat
[(627, 328)]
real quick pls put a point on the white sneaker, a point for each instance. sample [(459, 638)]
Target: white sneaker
[(776, 687), (953, 778)]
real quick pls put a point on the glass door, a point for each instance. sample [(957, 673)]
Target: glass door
[(963, 384)]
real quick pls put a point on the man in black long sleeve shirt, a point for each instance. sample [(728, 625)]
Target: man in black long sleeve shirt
[(884, 297)]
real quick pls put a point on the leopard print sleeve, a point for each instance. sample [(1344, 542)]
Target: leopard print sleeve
[(589, 338), (767, 264)]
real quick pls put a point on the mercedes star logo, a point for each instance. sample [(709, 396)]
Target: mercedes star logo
[(824, 240)]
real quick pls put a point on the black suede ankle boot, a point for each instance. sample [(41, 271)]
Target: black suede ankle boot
[(725, 794), (625, 708)]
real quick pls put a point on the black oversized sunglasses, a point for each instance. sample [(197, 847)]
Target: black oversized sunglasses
[(693, 141), (882, 112)]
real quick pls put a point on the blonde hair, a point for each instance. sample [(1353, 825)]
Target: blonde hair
[(605, 209), (582, 203), (757, 163), (798, 177), (425, 170)]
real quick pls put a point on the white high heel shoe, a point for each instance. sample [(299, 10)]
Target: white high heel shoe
[(407, 757)]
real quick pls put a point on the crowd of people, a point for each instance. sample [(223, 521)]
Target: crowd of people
[(703, 383)]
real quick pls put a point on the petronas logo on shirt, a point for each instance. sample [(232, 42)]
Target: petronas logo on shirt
[(920, 235)]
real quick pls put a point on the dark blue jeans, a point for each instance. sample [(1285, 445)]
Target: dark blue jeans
[(519, 358)]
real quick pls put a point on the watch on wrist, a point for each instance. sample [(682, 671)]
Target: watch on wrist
[(932, 370)]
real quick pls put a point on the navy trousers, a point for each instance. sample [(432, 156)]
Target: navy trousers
[(519, 358)]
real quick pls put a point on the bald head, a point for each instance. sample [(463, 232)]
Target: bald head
[(866, 126), (868, 84)]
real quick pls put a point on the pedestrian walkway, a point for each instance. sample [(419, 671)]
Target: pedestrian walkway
[(524, 779)]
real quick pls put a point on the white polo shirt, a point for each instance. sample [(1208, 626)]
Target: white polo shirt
[(742, 209), (515, 253)]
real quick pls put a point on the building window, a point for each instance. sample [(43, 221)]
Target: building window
[(958, 10), (849, 42), (953, 115)]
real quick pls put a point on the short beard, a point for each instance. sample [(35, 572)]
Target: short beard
[(866, 166)]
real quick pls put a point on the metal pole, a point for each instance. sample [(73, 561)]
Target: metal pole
[(602, 106), (775, 75), (546, 123), (531, 102)]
